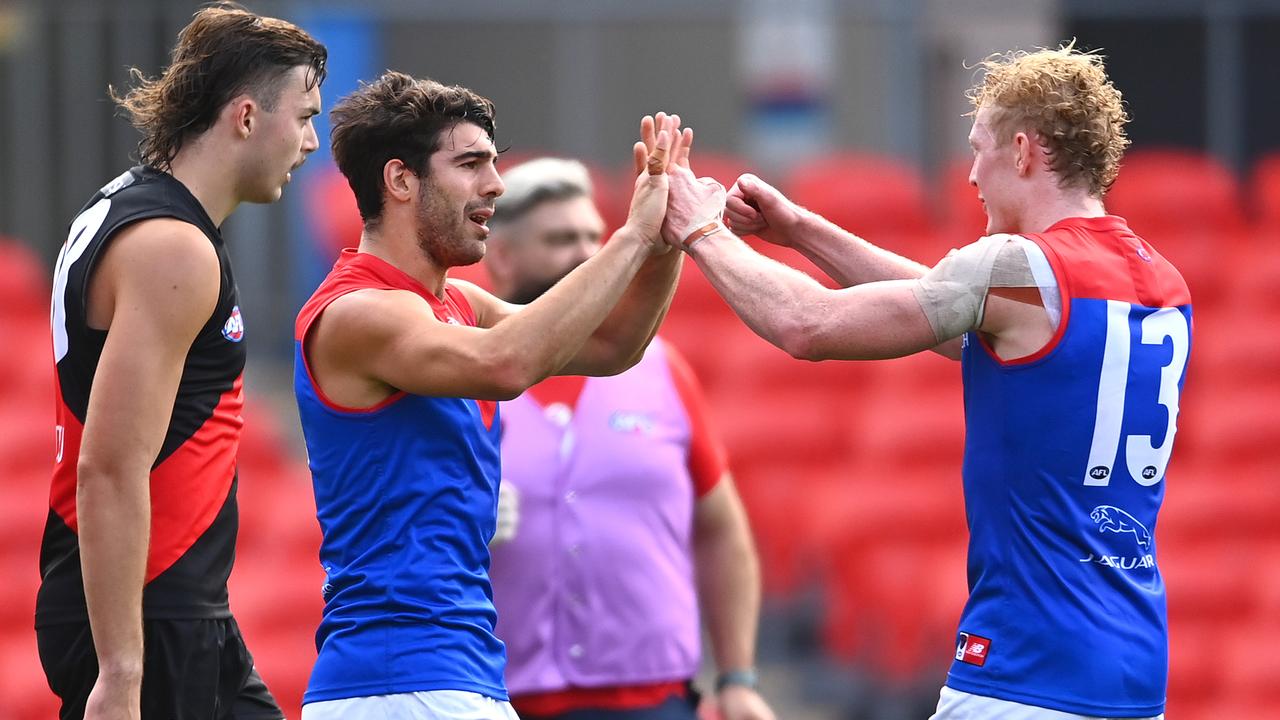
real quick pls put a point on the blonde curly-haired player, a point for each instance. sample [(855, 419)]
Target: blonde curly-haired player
[(1074, 335)]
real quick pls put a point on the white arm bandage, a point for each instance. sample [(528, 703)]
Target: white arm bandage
[(953, 294)]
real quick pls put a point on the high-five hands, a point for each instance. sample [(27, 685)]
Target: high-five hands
[(695, 205), (662, 146)]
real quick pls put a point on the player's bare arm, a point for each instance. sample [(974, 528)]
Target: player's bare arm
[(792, 310), (369, 343), (620, 341), (157, 285), (754, 207)]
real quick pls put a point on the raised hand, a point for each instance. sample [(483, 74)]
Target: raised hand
[(653, 155), (754, 207), (681, 140), (694, 207)]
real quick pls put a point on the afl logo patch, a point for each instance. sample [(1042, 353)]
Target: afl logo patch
[(233, 330)]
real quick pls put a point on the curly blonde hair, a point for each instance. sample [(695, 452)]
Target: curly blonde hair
[(1064, 96)]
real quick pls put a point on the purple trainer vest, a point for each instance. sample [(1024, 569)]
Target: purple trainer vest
[(597, 587)]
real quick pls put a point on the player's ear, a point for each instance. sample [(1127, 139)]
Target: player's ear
[(1023, 147), (242, 113), (400, 182)]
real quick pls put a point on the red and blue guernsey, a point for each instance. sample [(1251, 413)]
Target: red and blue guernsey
[(1065, 459), (406, 495)]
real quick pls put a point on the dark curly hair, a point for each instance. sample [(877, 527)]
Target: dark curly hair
[(397, 117), (223, 52), (1064, 96)]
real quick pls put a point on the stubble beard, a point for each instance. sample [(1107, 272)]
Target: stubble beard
[(442, 231)]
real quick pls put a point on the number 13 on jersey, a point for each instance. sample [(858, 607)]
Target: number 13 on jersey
[(1146, 462)]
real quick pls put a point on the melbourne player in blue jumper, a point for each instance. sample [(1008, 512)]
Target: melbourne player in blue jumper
[(398, 371), (1074, 335)]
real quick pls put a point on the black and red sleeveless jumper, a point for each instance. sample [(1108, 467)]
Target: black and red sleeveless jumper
[(193, 478)]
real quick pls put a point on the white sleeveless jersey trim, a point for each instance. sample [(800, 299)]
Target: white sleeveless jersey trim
[(1044, 277), (83, 231)]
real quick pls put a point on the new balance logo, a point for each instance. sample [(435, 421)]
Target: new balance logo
[(973, 649)]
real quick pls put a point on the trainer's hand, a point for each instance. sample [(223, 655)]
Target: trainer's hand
[(754, 207), (114, 699), (742, 703), (508, 514)]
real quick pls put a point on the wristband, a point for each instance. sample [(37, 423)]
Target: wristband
[(744, 677)]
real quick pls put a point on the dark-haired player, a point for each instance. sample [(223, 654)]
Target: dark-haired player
[(132, 617)]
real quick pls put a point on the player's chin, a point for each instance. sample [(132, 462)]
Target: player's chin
[(266, 194), (475, 253)]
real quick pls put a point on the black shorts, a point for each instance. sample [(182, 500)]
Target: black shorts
[(193, 670)]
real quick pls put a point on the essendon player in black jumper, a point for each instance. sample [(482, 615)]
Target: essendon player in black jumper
[(132, 617)]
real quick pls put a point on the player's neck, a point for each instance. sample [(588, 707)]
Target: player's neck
[(206, 177), (1041, 216), (401, 249)]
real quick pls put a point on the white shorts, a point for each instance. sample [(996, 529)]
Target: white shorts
[(429, 705), (956, 705)]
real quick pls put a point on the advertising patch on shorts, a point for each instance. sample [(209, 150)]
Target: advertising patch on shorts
[(973, 649)]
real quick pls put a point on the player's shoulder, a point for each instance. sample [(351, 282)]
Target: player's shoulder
[(377, 314), (163, 249), (163, 270), (486, 308), (377, 307)]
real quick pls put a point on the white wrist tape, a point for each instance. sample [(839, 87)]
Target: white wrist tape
[(699, 230)]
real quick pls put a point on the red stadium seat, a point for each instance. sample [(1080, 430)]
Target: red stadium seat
[(797, 509), (894, 604), (1160, 190), (1255, 277), (1195, 666), (721, 350), (1264, 189), (783, 425), (24, 691), (1237, 424), (1204, 578), (721, 167), (24, 282), (1209, 499), (964, 220), (1250, 662), (695, 294), (872, 196)]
